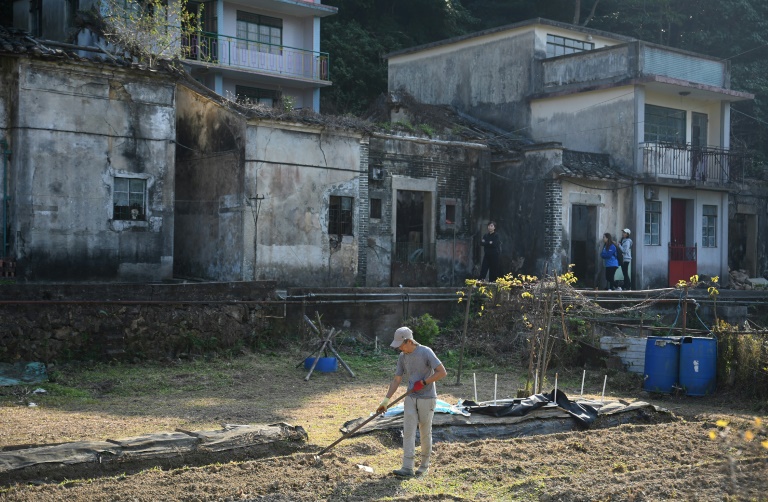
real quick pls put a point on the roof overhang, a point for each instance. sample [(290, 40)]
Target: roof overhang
[(298, 8)]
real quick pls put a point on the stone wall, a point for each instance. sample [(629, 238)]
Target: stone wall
[(54, 323)]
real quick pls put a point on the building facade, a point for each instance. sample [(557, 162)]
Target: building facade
[(662, 116)]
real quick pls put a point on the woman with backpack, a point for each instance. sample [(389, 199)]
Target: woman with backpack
[(609, 259)]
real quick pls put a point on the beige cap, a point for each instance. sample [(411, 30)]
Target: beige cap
[(627, 231), (401, 335)]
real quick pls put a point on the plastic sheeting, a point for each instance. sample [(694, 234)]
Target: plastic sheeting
[(22, 373), (584, 414)]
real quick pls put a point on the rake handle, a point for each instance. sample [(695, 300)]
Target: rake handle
[(349, 433)]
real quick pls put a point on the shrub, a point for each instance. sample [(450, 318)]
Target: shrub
[(425, 329)]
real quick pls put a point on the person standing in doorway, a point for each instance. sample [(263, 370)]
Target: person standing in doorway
[(609, 259), (626, 249), (423, 369), (491, 252)]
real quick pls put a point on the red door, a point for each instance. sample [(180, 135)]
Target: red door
[(682, 259), (677, 228)]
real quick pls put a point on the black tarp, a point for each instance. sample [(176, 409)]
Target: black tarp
[(584, 414)]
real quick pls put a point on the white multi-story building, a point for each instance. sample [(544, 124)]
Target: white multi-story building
[(260, 50)]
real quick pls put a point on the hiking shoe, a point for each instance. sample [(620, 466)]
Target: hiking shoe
[(403, 472), (421, 471)]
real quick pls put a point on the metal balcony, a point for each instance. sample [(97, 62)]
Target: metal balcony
[(701, 165), (224, 50)]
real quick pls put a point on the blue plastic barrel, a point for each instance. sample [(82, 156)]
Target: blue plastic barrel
[(698, 365), (324, 365), (662, 362)]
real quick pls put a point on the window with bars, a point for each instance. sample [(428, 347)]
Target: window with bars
[(261, 33), (709, 227), (129, 199), (664, 125), (652, 223), (558, 46), (340, 215)]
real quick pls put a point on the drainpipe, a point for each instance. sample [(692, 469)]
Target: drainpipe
[(6, 155)]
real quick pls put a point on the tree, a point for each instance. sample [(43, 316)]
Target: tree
[(150, 29)]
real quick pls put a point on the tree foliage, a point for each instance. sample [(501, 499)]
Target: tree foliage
[(150, 29)]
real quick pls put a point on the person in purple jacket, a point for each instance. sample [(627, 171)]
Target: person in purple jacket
[(611, 261)]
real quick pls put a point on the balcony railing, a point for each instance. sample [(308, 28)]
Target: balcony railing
[(695, 163), (236, 52)]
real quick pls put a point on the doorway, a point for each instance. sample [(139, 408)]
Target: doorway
[(742, 243), (413, 263), (584, 244)]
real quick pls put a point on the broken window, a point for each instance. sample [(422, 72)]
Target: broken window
[(450, 213), (558, 46), (375, 209), (652, 223), (129, 198), (709, 227), (340, 215)]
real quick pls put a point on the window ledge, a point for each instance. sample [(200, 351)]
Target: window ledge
[(127, 225)]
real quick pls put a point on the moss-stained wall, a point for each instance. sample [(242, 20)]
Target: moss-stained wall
[(211, 201), (75, 128)]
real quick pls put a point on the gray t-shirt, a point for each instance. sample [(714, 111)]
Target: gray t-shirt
[(419, 364)]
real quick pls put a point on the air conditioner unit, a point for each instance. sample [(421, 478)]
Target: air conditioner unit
[(651, 193), (377, 173)]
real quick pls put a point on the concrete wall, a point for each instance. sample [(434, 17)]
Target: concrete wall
[(598, 122), (294, 169), (461, 74), (76, 128), (211, 203)]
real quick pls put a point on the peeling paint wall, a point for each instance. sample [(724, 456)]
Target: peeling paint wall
[(75, 128), (293, 170), (211, 199)]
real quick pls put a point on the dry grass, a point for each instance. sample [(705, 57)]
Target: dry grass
[(657, 462)]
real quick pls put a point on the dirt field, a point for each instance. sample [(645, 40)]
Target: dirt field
[(672, 460)]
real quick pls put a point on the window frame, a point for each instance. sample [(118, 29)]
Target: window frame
[(269, 97), (259, 32), (135, 190), (341, 218), (669, 125), (375, 208), (558, 45), (652, 224), (709, 226)]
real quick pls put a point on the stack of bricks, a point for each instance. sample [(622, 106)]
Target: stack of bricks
[(7, 268)]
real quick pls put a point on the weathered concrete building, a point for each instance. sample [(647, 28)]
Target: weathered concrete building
[(661, 115), (306, 202), (88, 179)]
